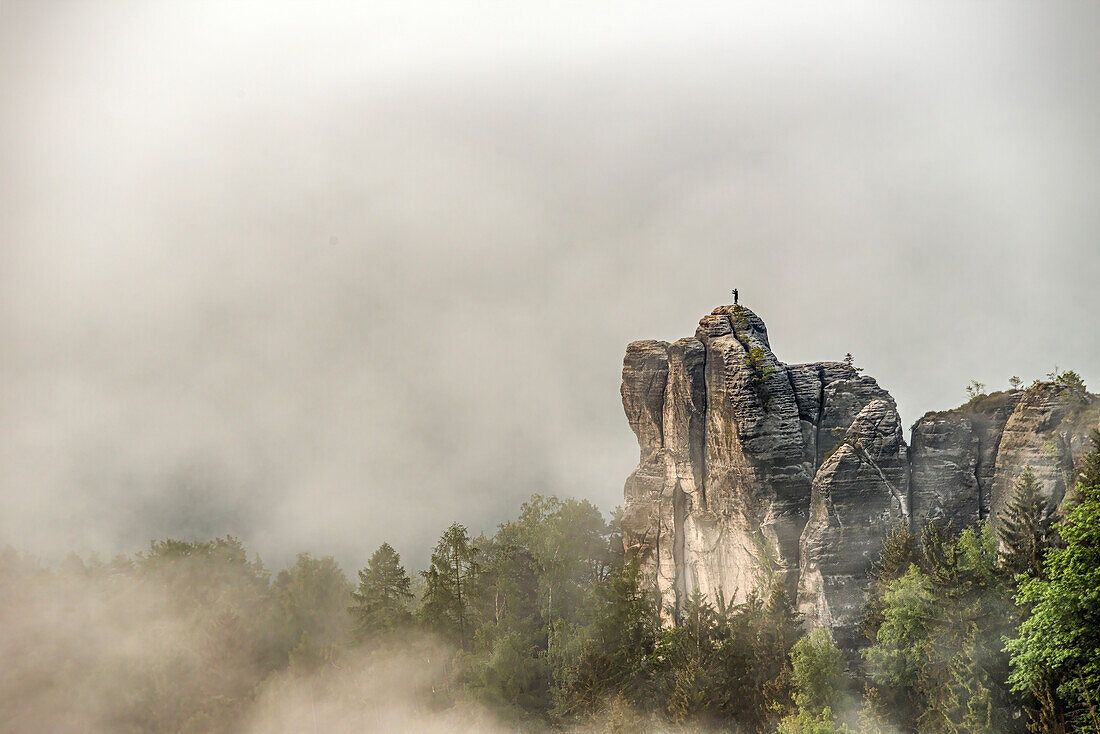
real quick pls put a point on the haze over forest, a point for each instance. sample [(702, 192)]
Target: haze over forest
[(324, 277)]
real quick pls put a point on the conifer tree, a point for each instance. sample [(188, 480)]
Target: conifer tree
[(850, 364), (937, 655), (448, 581), (382, 599), (1022, 529), (1056, 653), (899, 552), (817, 677)]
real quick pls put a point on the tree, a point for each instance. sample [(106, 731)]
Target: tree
[(1014, 382), (509, 667), (1090, 466), (312, 596), (1021, 528), (936, 656), (817, 670), (383, 597), (569, 541), (850, 363), (447, 591), (899, 552), (1068, 378), (1056, 653), (755, 676), (975, 389), (900, 642), (611, 656)]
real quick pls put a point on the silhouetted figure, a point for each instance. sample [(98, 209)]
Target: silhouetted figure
[(734, 296)]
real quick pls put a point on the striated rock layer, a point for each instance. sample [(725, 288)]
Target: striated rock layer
[(753, 471), (966, 461)]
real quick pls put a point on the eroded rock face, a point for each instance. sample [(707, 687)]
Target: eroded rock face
[(965, 461), (647, 510), (954, 456), (858, 495), (754, 476), (1048, 430), (751, 470), (722, 493), (945, 470)]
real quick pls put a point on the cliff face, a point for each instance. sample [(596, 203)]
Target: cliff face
[(985, 445), (751, 469)]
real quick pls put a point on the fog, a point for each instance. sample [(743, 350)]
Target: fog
[(325, 275)]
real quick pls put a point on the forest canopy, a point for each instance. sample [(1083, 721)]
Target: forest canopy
[(545, 624)]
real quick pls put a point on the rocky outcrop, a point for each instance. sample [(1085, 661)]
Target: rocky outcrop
[(752, 471), (858, 495), (731, 441), (1048, 431), (965, 462), (954, 456)]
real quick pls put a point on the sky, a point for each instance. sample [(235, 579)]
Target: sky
[(323, 275)]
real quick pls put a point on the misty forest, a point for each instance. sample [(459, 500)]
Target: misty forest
[(549, 624), (402, 366)]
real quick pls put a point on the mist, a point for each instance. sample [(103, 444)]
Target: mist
[(325, 277)]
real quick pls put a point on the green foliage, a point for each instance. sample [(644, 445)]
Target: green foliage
[(899, 552), (975, 390), (382, 599), (611, 656), (817, 672), (447, 590), (197, 575), (874, 717), (901, 640), (937, 656), (1014, 382), (817, 669), (756, 359), (1056, 652), (549, 624), (1090, 466), (533, 602), (727, 663), (850, 364), (568, 540), (737, 317), (312, 596), (804, 722), (1022, 529), (1068, 379)]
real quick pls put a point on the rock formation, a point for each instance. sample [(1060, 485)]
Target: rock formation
[(953, 459), (985, 444), (755, 472)]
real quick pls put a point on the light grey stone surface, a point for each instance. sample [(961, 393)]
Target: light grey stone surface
[(751, 470)]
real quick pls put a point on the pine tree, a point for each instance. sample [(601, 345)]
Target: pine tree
[(1056, 655), (817, 673), (610, 657), (382, 599), (1022, 529), (899, 551), (448, 583), (937, 655), (850, 364)]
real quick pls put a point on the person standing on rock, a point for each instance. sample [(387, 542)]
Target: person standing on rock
[(734, 296)]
